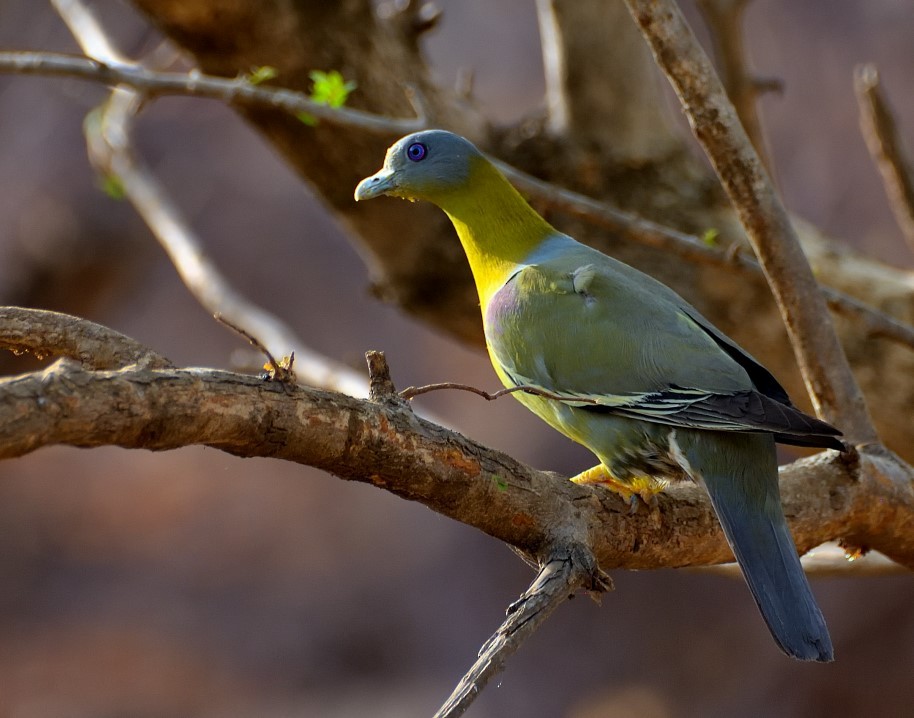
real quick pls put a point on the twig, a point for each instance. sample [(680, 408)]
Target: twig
[(886, 148), (565, 571), (414, 391), (381, 387), (108, 140), (724, 19), (199, 85), (832, 387), (45, 333), (280, 371)]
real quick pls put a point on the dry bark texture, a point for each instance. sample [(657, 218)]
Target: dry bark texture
[(386, 444), (414, 261)]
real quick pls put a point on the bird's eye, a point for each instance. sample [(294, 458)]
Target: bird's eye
[(416, 151)]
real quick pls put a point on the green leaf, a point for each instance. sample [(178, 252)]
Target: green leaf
[(258, 75), (710, 237), (330, 88), (500, 483), (307, 118)]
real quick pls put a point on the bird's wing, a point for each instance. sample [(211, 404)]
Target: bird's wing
[(605, 337)]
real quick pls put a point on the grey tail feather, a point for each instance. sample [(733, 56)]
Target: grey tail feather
[(768, 558)]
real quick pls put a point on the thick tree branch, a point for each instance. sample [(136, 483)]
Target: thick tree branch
[(45, 333), (832, 387), (392, 448), (886, 148)]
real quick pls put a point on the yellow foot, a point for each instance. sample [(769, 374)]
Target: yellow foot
[(641, 489)]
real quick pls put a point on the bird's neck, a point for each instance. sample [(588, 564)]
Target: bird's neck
[(496, 227)]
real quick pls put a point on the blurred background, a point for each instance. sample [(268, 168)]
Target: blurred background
[(192, 583)]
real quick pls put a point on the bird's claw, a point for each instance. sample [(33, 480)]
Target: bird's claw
[(641, 490)]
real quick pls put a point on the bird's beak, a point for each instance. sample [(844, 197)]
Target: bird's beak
[(380, 183)]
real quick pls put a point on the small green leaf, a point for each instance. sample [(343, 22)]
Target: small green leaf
[(261, 74), (500, 483), (307, 118), (330, 88), (710, 237), (112, 186)]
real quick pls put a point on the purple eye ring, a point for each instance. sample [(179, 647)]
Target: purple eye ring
[(416, 151)]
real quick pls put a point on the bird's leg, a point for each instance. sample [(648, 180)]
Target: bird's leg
[(637, 490)]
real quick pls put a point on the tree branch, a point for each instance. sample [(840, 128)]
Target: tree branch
[(568, 568), (239, 90), (45, 333), (886, 149), (724, 19), (832, 387)]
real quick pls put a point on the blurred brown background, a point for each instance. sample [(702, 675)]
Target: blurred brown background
[(194, 583)]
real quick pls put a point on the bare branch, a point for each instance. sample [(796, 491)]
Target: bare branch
[(886, 148), (45, 333), (196, 84), (832, 387), (725, 21), (565, 571), (385, 444)]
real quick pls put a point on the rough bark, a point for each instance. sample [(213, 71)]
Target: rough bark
[(387, 445)]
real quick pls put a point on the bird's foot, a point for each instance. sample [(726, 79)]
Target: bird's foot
[(641, 489)]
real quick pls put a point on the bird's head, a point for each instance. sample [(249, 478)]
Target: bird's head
[(427, 165)]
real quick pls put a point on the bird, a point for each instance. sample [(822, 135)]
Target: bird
[(620, 363)]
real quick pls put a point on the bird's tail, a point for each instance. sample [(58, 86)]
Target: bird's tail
[(747, 501)]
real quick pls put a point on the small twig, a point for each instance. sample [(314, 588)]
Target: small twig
[(886, 148), (564, 572), (823, 363), (414, 391), (199, 85), (280, 371), (724, 19), (380, 385), (45, 333)]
